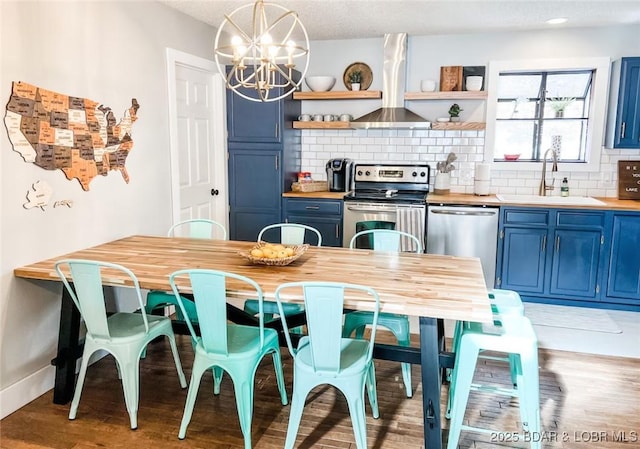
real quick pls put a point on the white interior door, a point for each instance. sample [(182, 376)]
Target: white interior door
[(198, 138)]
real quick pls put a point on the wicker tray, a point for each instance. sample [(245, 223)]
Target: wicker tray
[(298, 250), (312, 186)]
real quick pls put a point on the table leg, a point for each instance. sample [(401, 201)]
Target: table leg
[(68, 350), (431, 382)]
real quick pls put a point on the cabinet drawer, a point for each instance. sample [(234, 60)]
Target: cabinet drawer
[(526, 217), (314, 207), (580, 219)]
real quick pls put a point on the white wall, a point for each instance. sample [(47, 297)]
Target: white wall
[(425, 56), (110, 52)]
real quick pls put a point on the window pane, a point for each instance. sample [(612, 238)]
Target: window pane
[(573, 134), (517, 85), (569, 85), (518, 108), (514, 137)]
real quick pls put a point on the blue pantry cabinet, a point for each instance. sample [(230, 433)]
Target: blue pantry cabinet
[(264, 159), (623, 130)]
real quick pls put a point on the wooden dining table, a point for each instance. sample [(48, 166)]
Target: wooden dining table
[(431, 287)]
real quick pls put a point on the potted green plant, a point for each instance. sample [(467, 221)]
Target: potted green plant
[(454, 112), (355, 78), (559, 104)]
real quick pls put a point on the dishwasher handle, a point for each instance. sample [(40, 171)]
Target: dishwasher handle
[(461, 212)]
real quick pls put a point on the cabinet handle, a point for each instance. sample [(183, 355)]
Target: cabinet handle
[(337, 231), (544, 243), (623, 130), (277, 130), (312, 207), (277, 163), (557, 244)]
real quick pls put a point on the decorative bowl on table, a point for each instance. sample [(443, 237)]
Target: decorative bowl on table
[(511, 157), (264, 253), (320, 83)]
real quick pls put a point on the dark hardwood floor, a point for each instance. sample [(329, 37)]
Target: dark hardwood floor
[(587, 402)]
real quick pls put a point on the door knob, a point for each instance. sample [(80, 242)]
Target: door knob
[(214, 192)]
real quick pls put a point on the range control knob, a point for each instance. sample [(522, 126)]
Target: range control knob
[(423, 174), (359, 172), (368, 173), (414, 174)]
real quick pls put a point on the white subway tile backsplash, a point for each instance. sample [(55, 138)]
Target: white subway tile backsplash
[(431, 146)]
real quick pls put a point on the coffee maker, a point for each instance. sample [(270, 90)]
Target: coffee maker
[(340, 175)]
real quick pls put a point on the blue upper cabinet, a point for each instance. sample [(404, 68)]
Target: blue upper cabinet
[(256, 122), (623, 129)]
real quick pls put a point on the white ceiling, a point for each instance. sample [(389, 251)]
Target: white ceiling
[(353, 19)]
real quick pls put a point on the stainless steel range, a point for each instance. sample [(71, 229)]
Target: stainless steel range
[(387, 196)]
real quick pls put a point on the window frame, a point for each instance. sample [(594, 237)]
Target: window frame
[(597, 112)]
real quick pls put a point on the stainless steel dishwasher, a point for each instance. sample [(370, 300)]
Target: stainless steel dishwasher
[(470, 231)]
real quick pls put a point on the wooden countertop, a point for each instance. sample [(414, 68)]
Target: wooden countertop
[(414, 284), (491, 200)]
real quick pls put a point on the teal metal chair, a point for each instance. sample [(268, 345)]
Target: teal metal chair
[(224, 346), (290, 234), (324, 356), (391, 241), (198, 228), (123, 335), (513, 335)]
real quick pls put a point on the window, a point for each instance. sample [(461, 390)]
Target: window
[(534, 105)]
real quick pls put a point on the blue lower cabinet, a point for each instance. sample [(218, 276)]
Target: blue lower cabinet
[(523, 259), (323, 214), (623, 284)]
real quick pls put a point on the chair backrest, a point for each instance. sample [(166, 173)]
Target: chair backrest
[(197, 228), (209, 289), (291, 233), (323, 304), (387, 239), (88, 294)]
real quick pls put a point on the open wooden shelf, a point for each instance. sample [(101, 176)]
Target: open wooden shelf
[(464, 126), (338, 95), (322, 125), (453, 95)]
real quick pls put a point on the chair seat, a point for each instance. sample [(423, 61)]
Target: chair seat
[(352, 356), (125, 326), (243, 341)]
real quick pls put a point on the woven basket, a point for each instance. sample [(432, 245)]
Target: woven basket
[(298, 250), (312, 186)]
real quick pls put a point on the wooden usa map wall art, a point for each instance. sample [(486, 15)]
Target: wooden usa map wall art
[(76, 135)]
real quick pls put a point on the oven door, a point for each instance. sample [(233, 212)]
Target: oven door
[(361, 216)]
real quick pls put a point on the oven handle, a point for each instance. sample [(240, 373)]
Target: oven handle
[(391, 209)]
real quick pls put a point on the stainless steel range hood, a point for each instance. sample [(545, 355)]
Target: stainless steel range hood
[(393, 114)]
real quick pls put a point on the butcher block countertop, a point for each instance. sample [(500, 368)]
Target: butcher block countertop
[(489, 200)]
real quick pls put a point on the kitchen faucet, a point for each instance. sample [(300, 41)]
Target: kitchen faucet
[(554, 168)]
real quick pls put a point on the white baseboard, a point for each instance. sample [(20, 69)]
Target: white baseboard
[(26, 390)]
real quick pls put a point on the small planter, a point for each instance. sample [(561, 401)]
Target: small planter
[(355, 86), (454, 119)]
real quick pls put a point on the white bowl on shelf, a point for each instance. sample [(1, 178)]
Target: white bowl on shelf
[(320, 83), (443, 119)]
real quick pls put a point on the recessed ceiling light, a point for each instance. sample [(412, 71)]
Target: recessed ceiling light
[(557, 21)]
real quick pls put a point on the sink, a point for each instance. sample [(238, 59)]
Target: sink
[(551, 200)]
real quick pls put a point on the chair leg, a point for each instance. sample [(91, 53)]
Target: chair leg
[(218, 374), (244, 403), (358, 418), (372, 393), (300, 392), (465, 365), (73, 410), (176, 359), (194, 384), (277, 366), (131, 387)]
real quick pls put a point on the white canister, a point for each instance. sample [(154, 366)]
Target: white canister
[(442, 184), (481, 187), (473, 83), (427, 85)]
